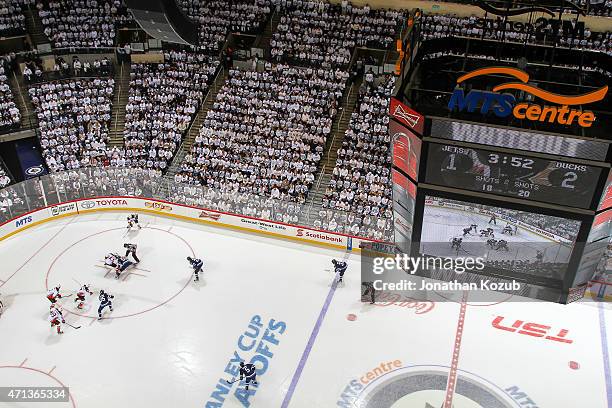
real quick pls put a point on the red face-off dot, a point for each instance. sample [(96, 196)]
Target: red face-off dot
[(351, 317), (573, 365)]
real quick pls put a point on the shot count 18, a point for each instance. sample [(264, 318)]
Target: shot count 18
[(513, 175)]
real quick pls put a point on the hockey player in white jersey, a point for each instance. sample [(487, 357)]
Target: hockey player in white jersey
[(56, 318), (80, 296), (132, 220), (54, 294)]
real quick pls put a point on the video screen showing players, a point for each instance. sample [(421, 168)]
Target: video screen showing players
[(523, 242)]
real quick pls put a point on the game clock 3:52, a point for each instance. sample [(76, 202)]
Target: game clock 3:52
[(512, 175)]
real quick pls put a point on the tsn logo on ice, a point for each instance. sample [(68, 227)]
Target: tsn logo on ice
[(531, 329)]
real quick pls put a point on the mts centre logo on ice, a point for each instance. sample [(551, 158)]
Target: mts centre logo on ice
[(561, 111)]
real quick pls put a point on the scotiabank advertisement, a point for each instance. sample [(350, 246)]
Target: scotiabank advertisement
[(406, 149), (183, 212)]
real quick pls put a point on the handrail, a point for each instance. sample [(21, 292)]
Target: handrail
[(180, 152), (118, 98), (28, 114)]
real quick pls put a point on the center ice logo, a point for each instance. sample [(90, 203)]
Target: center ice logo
[(389, 385)]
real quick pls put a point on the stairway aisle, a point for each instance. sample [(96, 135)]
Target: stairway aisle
[(120, 99), (196, 124), (328, 161)]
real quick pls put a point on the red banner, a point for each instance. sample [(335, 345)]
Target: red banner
[(407, 116)]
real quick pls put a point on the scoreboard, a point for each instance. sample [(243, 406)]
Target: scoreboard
[(541, 193), (513, 175)]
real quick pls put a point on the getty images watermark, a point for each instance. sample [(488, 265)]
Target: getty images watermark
[(444, 275), (384, 268)]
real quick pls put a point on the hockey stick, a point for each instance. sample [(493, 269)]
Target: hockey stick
[(233, 381), (74, 327)]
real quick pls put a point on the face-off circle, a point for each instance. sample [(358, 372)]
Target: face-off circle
[(422, 386), (150, 284)]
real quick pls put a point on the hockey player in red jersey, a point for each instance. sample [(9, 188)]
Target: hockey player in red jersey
[(56, 318)]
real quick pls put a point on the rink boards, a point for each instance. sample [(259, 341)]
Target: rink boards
[(183, 212)]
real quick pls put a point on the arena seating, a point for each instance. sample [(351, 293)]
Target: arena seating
[(447, 25), (9, 113), (163, 100), (325, 34), (219, 17), (360, 182), (266, 131), (12, 20), (82, 23), (74, 118)]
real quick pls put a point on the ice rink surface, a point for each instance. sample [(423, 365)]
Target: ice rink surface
[(171, 342)]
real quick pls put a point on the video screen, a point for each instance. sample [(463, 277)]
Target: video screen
[(528, 243), (404, 196), (406, 149)]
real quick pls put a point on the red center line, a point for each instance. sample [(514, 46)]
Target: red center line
[(452, 376), (37, 252)]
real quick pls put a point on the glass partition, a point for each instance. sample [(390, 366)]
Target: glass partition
[(91, 182)]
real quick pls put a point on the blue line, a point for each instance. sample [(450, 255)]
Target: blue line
[(604, 349), (311, 340)]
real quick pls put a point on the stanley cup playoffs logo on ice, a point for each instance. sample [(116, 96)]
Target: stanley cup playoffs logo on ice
[(561, 110)]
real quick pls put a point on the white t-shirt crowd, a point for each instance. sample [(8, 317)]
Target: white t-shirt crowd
[(321, 33), (266, 131), (81, 23), (74, 118), (163, 100), (219, 17)]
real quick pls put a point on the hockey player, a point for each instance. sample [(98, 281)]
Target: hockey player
[(111, 260), (502, 244), (1, 306), (493, 219), (492, 243), (474, 227), (197, 265), (339, 268), (247, 371), (80, 296), (490, 232), (456, 244), (105, 300), (121, 265), (467, 231), (53, 294), (131, 249), (132, 220), (507, 230), (55, 317), (369, 289)]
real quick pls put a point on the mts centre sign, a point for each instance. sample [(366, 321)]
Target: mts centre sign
[(562, 108)]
